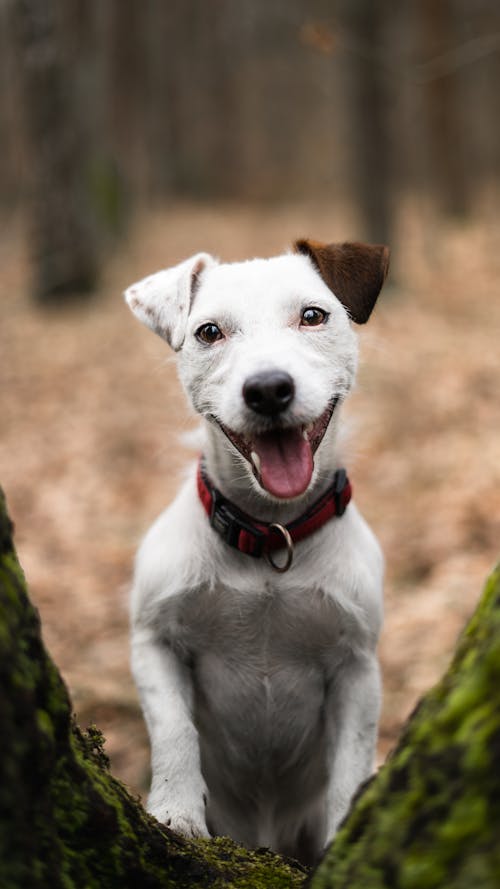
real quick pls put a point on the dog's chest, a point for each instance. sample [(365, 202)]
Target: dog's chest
[(260, 664), (255, 631)]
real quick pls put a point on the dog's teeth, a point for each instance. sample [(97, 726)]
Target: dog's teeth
[(255, 461), (307, 430)]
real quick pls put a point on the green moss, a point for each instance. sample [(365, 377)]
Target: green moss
[(44, 723), (252, 869), (92, 744)]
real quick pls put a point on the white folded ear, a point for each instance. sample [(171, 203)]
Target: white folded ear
[(163, 301)]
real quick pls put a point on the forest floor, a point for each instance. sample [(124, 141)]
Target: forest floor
[(90, 448)]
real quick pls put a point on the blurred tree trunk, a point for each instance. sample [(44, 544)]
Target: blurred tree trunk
[(162, 127), (430, 818), (369, 107), (446, 130), (63, 229)]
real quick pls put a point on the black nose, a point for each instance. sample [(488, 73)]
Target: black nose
[(269, 392)]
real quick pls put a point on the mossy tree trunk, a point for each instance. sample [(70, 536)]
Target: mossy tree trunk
[(431, 818)]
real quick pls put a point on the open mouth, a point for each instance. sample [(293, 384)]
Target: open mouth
[(282, 459)]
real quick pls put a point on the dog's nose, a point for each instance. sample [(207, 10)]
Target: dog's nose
[(269, 392)]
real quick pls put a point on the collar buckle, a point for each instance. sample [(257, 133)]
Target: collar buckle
[(230, 525)]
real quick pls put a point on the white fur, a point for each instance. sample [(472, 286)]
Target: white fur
[(260, 690)]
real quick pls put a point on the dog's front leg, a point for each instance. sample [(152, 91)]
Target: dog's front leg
[(353, 707), (178, 791)]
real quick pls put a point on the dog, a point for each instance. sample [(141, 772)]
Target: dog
[(257, 599)]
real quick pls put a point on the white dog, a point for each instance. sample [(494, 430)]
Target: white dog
[(257, 601)]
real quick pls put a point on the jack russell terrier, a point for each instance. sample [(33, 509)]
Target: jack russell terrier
[(257, 601)]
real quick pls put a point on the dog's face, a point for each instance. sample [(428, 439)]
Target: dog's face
[(266, 348)]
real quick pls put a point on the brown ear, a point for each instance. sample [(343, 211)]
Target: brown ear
[(353, 272)]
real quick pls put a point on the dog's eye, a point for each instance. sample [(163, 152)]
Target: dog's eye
[(208, 334), (312, 316)]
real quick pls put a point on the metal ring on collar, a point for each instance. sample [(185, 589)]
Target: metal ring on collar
[(288, 542)]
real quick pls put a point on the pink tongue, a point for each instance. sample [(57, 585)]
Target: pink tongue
[(286, 462)]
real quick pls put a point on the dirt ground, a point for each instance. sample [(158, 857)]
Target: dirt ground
[(90, 450)]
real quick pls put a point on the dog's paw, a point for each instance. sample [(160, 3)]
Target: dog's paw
[(189, 823), (188, 827)]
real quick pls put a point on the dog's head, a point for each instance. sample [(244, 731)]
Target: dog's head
[(266, 348)]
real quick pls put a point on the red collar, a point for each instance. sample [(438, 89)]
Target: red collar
[(256, 538)]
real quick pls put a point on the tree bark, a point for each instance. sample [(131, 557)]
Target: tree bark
[(430, 818), (63, 223), (448, 173), (370, 95)]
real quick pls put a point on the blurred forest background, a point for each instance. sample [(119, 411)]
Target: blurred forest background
[(134, 134)]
